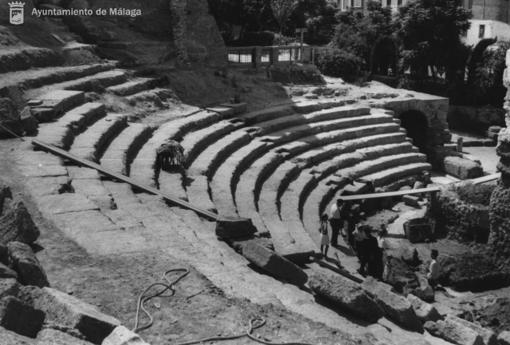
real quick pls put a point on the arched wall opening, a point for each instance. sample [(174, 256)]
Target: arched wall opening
[(416, 124)]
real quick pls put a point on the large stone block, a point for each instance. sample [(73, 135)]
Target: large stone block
[(228, 228), (49, 336), (274, 264), (16, 224), (68, 311), (25, 263), (345, 294), (488, 336), (123, 336), (424, 311), (454, 332), (395, 307), (423, 291), (19, 317), (462, 168)]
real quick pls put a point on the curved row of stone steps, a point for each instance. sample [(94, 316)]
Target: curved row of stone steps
[(92, 143), (19, 58), (38, 77), (132, 87), (62, 132), (90, 82), (123, 148)]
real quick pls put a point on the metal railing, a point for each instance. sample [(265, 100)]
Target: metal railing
[(259, 56)]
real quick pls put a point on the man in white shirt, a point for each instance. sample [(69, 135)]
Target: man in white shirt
[(335, 220), (433, 270)]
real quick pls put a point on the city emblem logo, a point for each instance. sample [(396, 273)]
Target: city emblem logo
[(16, 13)]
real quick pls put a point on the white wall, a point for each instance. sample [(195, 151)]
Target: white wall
[(492, 29)]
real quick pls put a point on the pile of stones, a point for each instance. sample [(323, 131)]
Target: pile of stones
[(31, 312), (373, 299)]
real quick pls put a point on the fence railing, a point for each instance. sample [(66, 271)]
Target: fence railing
[(258, 56)]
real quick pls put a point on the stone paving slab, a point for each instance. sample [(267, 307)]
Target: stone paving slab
[(65, 203), (43, 170), (39, 186)]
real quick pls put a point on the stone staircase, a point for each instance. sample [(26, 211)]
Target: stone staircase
[(280, 167)]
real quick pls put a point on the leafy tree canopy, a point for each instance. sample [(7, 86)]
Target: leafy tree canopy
[(430, 32)]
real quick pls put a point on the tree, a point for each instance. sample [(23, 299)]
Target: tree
[(358, 33), (282, 9), (431, 33), (487, 83), (318, 16)]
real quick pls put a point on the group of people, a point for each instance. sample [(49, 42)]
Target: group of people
[(344, 218)]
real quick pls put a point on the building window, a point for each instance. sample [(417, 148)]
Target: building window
[(470, 4), (399, 2), (358, 4), (481, 31)]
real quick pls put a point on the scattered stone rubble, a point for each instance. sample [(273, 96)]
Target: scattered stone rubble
[(33, 313)]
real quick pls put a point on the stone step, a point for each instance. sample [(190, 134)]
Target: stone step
[(292, 133), (63, 132), (313, 105), (35, 78), (265, 166), (92, 143), (267, 114), (386, 177), (295, 120), (55, 103), (225, 179), (267, 169), (290, 242), (172, 183), (294, 200), (281, 178), (195, 142), (210, 159), (131, 87), (323, 193), (95, 82), (227, 175), (156, 96), (123, 149), (27, 57), (143, 168), (198, 193)]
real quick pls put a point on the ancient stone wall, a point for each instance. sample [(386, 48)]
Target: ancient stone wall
[(500, 199)]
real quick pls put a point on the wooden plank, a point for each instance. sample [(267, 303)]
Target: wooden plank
[(478, 180), (485, 179), (123, 178), (389, 194)]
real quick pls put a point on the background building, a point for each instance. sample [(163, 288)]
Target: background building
[(491, 19)]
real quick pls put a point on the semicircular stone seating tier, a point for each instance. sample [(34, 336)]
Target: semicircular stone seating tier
[(259, 164), (273, 165)]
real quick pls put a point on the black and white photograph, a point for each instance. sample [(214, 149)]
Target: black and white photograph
[(243, 172)]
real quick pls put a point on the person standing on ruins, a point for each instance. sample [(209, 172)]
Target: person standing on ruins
[(335, 220), (433, 269), (323, 230)]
